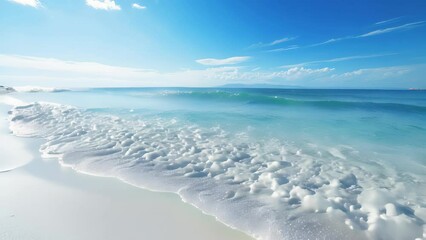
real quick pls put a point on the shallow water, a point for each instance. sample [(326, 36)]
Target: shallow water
[(277, 164)]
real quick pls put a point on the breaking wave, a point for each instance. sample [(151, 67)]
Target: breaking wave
[(277, 100)]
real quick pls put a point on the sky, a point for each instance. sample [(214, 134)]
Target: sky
[(204, 43)]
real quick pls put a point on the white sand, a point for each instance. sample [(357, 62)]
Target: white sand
[(42, 200), (12, 150)]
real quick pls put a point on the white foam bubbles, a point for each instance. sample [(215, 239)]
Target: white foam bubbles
[(265, 187), (34, 89)]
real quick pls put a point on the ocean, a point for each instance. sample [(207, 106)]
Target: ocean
[(274, 163)]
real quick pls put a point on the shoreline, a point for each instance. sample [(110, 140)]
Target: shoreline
[(32, 190)]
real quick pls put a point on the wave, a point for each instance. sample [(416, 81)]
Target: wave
[(253, 98), (4, 90), (34, 89), (267, 188)]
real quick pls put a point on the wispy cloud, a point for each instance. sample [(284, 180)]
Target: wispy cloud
[(296, 73), (29, 70), (332, 40), (273, 43), (374, 73), (137, 6), (52, 64), (388, 21), (26, 70), (393, 29), (225, 61), (340, 59), (403, 27), (30, 3), (283, 49), (103, 4), (399, 76)]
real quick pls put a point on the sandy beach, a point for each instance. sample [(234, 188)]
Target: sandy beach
[(42, 200), (212, 120)]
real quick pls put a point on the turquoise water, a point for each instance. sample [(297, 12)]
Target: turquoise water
[(354, 158), (389, 120)]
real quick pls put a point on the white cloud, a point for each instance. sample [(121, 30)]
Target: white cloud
[(49, 72), (393, 29), (103, 4), (59, 73), (340, 59), (292, 74), (375, 73), (278, 41), (332, 40), (225, 61), (52, 64), (388, 21), (25, 70), (296, 73), (137, 6), (283, 49), (31, 3), (406, 26), (404, 76), (273, 43)]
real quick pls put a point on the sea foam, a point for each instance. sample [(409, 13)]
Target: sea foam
[(268, 188), (35, 89)]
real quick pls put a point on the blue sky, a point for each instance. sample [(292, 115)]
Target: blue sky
[(319, 44)]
